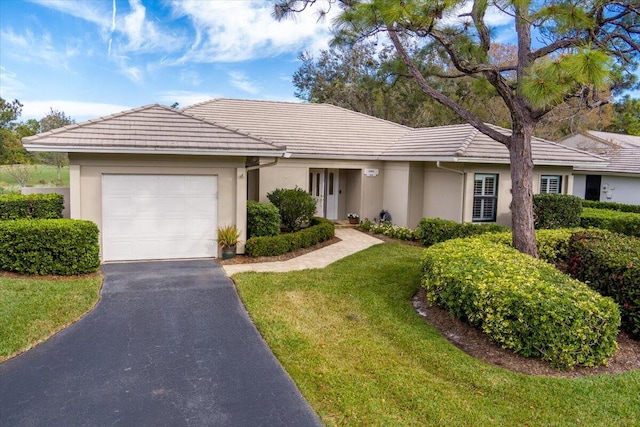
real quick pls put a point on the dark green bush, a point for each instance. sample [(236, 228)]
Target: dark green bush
[(319, 231), (434, 230), (611, 206), (619, 222), (18, 206), (49, 246), (520, 302), (610, 264), (556, 211), (296, 207), (263, 219)]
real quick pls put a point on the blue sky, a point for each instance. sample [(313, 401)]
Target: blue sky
[(97, 57)]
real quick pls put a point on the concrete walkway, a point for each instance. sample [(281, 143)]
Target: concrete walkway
[(352, 241)]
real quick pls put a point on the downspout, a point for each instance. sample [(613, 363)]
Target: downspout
[(464, 179)]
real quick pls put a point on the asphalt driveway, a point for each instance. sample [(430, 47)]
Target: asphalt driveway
[(169, 344)]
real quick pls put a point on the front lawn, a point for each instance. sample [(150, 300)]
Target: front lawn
[(351, 340), (33, 309), (41, 175)]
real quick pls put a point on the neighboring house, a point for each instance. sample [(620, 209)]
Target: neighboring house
[(615, 181), (158, 181)]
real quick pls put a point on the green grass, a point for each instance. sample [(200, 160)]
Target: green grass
[(33, 309), (361, 356), (40, 175)]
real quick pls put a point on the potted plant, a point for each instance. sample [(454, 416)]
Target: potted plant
[(354, 218), (228, 236)]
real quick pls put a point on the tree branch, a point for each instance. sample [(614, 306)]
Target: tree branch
[(441, 98)]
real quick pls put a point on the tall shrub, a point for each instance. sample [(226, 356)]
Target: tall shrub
[(620, 222), (18, 206), (296, 207), (49, 246), (556, 211), (610, 264), (263, 219)]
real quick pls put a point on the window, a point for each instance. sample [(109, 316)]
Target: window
[(485, 197), (311, 183), (331, 184), (551, 184)]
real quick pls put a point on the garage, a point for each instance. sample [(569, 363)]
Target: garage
[(158, 216)]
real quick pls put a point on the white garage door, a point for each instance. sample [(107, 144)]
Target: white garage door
[(158, 216)]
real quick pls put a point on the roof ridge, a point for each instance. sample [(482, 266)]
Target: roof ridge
[(467, 141), (90, 122)]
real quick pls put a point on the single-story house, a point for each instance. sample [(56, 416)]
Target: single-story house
[(159, 181), (618, 180)]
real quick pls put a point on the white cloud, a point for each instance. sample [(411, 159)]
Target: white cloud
[(39, 49), (184, 97), (77, 110), (242, 82), (10, 85), (233, 31), (90, 11)]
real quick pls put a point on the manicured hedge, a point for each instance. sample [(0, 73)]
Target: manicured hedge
[(434, 230), (620, 222), (553, 245), (556, 210), (263, 219), (319, 231), (610, 264), (611, 206), (18, 206), (49, 246), (522, 303)]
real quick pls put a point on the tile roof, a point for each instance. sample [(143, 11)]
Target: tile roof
[(327, 131), (622, 160), (152, 128), (621, 140), (466, 143), (308, 130)]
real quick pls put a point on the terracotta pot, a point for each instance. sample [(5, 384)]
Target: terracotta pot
[(354, 220)]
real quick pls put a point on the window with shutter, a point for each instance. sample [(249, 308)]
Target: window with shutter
[(551, 184), (485, 197)]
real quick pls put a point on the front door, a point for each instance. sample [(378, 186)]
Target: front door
[(324, 188)]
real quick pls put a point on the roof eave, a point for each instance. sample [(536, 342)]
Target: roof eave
[(151, 150)]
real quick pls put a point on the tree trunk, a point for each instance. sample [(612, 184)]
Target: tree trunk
[(524, 237)]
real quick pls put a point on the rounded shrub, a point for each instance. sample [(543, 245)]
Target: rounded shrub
[(296, 207), (434, 230), (263, 219), (18, 206), (556, 210), (63, 247), (522, 303)]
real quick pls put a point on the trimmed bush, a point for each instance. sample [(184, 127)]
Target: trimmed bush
[(263, 219), (522, 303), (610, 264), (63, 247), (319, 231), (553, 245), (296, 207), (611, 206), (434, 230), (620, 222), (556, 210), (18, 206)]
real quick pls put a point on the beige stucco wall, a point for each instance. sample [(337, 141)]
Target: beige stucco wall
[(86, 172), (396, 191), (444, 190)]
